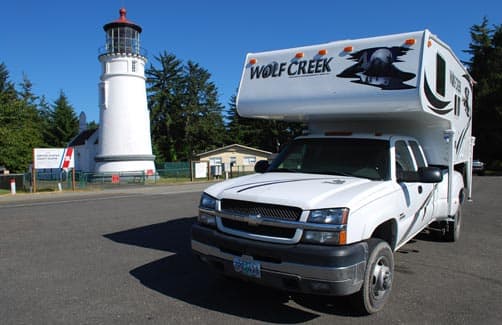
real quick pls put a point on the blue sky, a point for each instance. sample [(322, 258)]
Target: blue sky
[(55, 42)]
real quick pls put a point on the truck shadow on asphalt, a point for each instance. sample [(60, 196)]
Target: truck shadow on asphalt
[(182, 277)]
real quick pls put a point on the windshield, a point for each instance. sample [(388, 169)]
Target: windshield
[(365, 158)]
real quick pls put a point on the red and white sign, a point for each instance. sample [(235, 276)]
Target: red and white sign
[(54, 158), (115, 179)]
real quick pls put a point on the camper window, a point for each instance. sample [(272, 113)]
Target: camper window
[(440, 75), (457, 105)]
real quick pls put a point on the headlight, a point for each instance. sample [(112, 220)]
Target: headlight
[(207, 202), (207, 208), (335, 217)]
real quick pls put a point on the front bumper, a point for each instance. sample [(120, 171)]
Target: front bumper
[(316, 269)]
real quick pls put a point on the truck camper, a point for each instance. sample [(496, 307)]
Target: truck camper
[(387, 153)]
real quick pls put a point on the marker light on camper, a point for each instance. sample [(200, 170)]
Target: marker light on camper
[(429, 43), (410, 41), (348, 49), (323, 52), (299, 55), (252, 61)]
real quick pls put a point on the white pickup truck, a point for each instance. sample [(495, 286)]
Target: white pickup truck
[(387, 154)]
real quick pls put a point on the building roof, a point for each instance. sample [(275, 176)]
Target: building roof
[(231, 147), (81, 138)]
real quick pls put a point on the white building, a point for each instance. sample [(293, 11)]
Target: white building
[(85, 146)]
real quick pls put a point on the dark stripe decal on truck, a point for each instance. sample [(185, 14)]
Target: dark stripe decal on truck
[(438, 106)]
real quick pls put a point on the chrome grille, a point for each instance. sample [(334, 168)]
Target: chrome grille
[(259, 230), (246, 208)]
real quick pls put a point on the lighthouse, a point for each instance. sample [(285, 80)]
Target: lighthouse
[(124, 143)]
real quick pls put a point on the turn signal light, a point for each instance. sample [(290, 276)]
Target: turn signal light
[(342, 237)]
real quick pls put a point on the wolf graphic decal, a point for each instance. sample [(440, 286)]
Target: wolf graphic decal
[(375, 67)]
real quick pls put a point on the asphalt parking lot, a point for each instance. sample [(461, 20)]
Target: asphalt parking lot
[(123, 257)]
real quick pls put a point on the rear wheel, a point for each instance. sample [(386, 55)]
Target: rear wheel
[(377, 278)]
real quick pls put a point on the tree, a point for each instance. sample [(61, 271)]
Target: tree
[(184, 109), (20, 130), (26, 92), (485, 67), (63, 122), (164, 99), (268, 135), (202, 119), (45, 112), (92, 125), (7, 89)]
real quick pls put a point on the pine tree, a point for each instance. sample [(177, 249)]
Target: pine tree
[(202, 113), (165, 95), (485, 67), (7, 90), (63, 122), (185, 112), (269, 135), (20, 130)]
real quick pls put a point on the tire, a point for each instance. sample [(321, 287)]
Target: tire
[(452, 233), (378, 277)]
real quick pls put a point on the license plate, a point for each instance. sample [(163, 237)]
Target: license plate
[(248, 268)]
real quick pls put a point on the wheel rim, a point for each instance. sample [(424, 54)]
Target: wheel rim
[(381, 281), (457, 222)]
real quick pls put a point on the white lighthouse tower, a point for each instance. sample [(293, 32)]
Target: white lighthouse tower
[(124, 130)]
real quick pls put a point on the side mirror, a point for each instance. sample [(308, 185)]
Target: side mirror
[(430, 174), (261, 166), (423, 175)]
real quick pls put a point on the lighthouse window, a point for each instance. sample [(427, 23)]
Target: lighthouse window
[(133, 66), (122, 40)]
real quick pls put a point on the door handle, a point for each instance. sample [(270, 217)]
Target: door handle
[(420, 189)]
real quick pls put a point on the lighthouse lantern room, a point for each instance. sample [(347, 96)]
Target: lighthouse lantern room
[(124, 131)]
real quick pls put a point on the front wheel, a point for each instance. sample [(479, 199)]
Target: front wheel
[(377, 278), (452, 233)]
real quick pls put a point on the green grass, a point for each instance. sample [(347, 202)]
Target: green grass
[(2, 192)]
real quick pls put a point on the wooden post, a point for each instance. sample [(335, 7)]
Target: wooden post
[(34, 174), (73, 179), (191, 171)]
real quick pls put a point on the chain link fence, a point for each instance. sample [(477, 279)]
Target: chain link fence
[(60, 180)]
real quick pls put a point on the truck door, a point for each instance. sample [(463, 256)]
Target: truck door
[(417, 198), (428, 190)]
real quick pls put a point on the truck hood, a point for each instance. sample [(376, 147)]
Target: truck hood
[(306, 191)]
